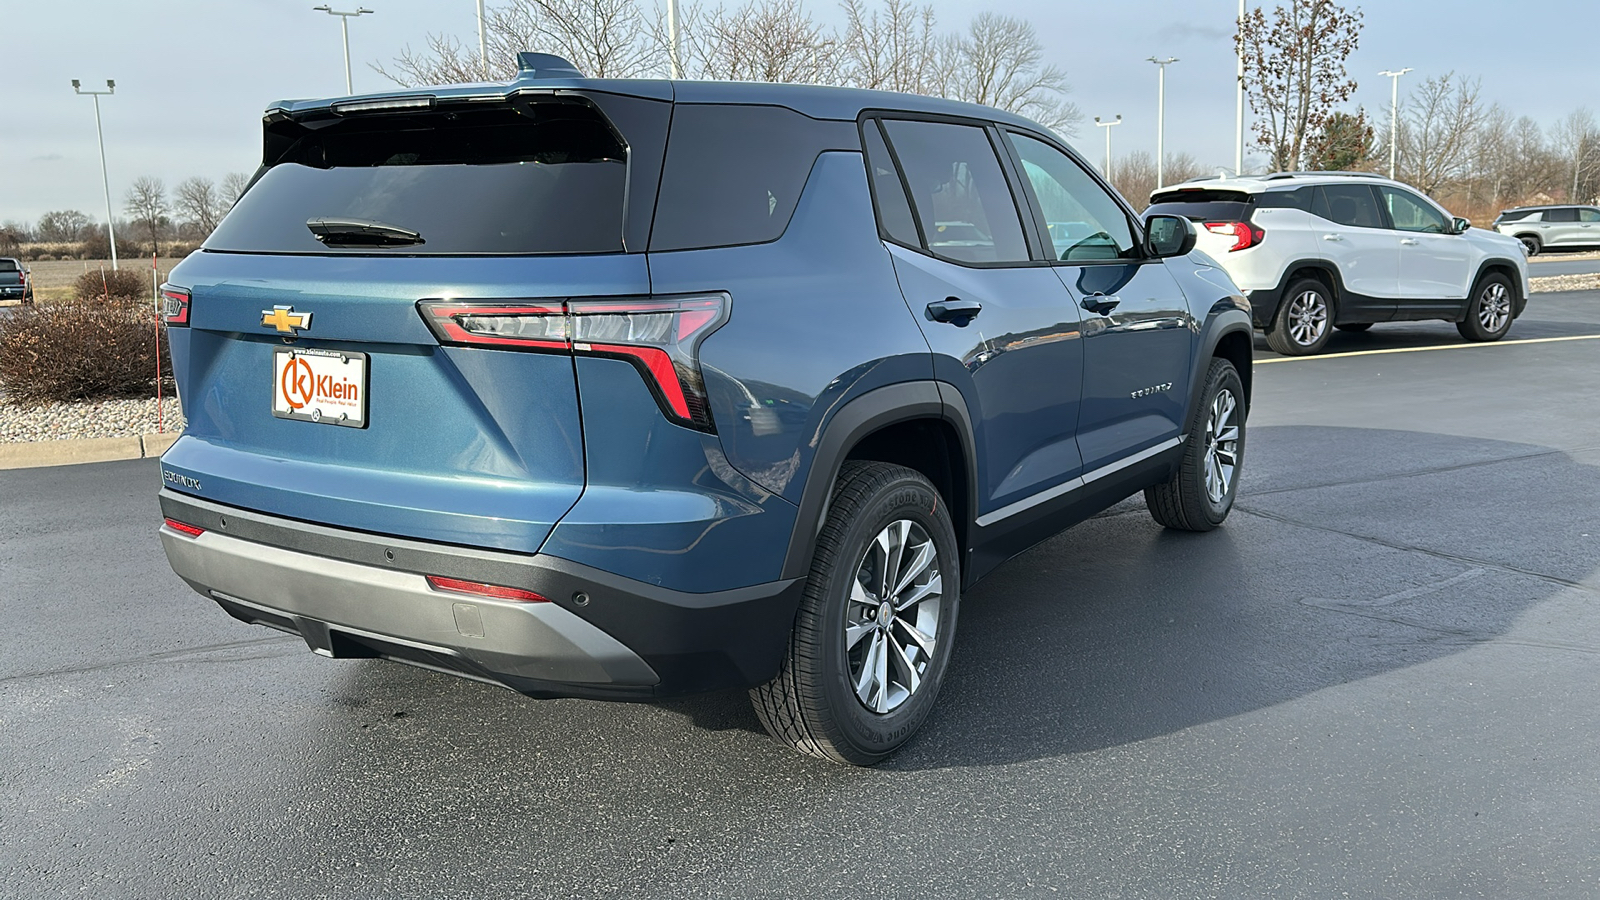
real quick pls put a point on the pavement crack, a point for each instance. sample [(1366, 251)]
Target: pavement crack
[(166, 656), (1426, 551)]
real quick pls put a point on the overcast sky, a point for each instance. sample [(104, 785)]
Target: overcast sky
[(194, 75)]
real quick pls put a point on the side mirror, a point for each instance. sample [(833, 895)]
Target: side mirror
[(1459, 225), (1168, 236)]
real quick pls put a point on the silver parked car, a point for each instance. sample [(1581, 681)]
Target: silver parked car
[(1539, 227)]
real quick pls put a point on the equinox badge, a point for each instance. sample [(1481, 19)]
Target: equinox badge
[(285, 319)]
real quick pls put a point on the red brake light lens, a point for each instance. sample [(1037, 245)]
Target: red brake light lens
[(185, 528), (1245, 234), (175, 305), (479, 589), (660, 336)]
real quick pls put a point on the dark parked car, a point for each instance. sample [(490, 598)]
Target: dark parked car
[(14, 284), (625, 389)]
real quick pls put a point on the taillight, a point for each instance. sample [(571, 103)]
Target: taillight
[(479, 589), (660, 336), (1245, 234), (185, 528), (174, 305)]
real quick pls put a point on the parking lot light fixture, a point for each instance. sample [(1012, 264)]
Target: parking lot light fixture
[(1394, 115), (111, 88), (1161, 119), (344, 26), (1107, 126)]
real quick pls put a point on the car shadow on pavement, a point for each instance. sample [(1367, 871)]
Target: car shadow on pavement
[(1352, 553), (1413, 335)]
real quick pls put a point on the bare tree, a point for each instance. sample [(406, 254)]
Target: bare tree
[(763, 40), (1294, 71), (1181, 167), (233, 187), (1000, 63), (1134, 177), (602, 38), (895, 47), (1438, 126), (1578, 140), (62, 225), (199, 204), (146, 204)]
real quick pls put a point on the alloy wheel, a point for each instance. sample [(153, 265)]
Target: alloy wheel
[(891, 625), (1494, 307), (1308, 318), (1222, 445)]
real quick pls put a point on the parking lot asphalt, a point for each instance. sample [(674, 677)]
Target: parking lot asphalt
[(1381, 678)]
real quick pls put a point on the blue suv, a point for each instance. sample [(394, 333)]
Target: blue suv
[(627, 389)]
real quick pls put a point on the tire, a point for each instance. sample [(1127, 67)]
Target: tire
[(1304, 319), (858, 703), (1200, 494), (1354, 326), (1531, 244), (1490, 313)]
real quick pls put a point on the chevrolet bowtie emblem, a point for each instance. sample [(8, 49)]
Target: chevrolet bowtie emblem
[(285, 319)]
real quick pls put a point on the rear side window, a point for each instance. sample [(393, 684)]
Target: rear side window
[(1348, 204), (959, 192), (548, 177), (1561, 215), (734, 173), (894, 211), (1299, 198)]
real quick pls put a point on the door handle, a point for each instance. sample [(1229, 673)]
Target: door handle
[(1333, 237), (1100, 304), (956, 311), (1409, 242)]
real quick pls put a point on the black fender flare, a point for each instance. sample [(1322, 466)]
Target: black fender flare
[(1496, 262), (1264, 304), (1227, 316), (845, 427)]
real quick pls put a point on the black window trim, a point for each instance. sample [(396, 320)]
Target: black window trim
[(1135, 224), (1003, 158)]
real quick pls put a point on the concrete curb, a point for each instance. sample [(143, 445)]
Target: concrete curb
[(34, 454)]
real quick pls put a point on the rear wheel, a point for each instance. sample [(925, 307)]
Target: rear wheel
[(872, 638), (1200, 494), (1531, 244), (1354, 326), (1304, 319), (1489, 313)]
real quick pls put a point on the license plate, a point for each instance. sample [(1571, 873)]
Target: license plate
[(324, 386)]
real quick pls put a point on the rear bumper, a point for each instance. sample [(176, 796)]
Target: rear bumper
[(351, 594)]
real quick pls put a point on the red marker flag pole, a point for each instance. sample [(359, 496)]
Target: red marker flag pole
[(155, 286)]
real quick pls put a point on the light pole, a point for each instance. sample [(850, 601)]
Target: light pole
[(1238, 103), (111, 88), (483, 43), (674, 62), (1161, 119), (344, 26), (1107, 126), (1394, 115)]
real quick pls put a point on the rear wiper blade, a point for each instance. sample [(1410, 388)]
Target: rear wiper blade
[(362, 233)]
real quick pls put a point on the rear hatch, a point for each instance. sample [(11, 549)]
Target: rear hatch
[(1221, 217), (313, 387)]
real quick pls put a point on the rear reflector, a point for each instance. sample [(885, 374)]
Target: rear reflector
[(185, 528), (479, 589)]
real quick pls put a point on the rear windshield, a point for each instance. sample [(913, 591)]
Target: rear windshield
[(9, 265), (1516, 215), (547, 177), (1227, 206)]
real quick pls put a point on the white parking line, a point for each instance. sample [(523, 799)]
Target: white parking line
[(1467, 346)]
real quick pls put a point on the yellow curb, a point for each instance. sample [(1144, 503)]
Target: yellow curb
[(35, 454)]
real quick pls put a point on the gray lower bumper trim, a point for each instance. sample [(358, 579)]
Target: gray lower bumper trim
[(539, 641)]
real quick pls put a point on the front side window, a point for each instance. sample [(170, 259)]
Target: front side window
[(959, 192), (1589, 215), (1411, 213), (1355, 205), (1085, 222)]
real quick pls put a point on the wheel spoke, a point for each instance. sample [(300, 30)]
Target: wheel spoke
[(869, 670), (881, 672), (854, 633), (934, 586), (923, 639), (919, 564), (908, 670)]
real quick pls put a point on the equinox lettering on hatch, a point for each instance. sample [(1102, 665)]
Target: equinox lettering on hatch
[(182, 481)]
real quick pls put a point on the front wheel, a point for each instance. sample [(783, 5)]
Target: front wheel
[(1304, 319), (872, 638), (1200, 494), (1489, 313)]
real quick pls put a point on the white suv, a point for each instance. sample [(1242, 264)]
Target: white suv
[(1314, 251)]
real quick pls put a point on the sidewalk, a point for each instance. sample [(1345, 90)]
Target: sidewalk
[(33, 454)]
